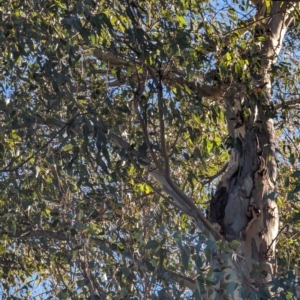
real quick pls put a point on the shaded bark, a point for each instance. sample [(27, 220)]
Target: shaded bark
[(251, 214), (243, 207)]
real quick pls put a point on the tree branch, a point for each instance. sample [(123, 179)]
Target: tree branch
[(138, 94), (8, 167), (204, 90), (55, 123), (287, 104), (159, 87), (209, 179), (201, 222), (178, 278), (111, 59), (183, 201)]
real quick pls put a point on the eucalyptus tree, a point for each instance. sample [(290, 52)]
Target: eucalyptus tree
[(148, 149)]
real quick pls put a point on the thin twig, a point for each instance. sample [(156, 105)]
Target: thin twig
[(137, 96), (176, 140), (7, 169), (211, 178), (162, 129), (287, 104)]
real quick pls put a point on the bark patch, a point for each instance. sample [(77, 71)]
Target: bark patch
[(217, 207)]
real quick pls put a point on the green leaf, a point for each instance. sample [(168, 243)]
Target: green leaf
[(13, 227), (296, 217), (125, 271), (152, 244), (67, 147), (230, 287), (82, 282), (235, 244), (148, 189), (296, 174), (2, 249), (185, 256), (47, 212), (197, 293), (181, 21), (82, 124)]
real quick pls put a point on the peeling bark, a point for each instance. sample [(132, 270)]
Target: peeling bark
[(243, 207)]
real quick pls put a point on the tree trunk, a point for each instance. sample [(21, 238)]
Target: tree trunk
[(244, 207)]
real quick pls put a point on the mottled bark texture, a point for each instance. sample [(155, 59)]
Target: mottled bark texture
[(244, 207)]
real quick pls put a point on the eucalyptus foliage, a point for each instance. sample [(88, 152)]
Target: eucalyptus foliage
[(91, 93)]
